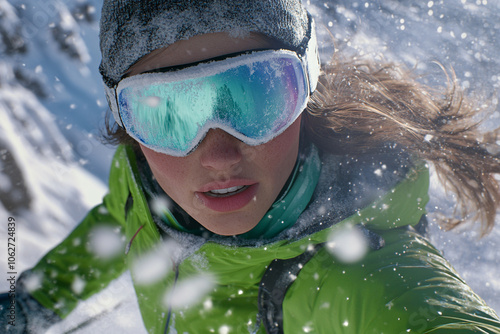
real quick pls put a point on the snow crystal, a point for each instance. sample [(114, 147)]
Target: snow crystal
[(106, 242), (308, 328), (160, 205), (152, 101), (347, 244), (103, 210), (33, 282), (493, 149), (428, 137), (77, 241), (208, 304), (78, 285), (224, 329), (325, 305), (189, 291), (154, 265)]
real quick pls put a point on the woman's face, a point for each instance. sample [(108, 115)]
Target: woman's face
[(225, 184)]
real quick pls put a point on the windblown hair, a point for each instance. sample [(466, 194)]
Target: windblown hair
[(361, 106)]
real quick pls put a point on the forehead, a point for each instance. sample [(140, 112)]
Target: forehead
[(199, 48)]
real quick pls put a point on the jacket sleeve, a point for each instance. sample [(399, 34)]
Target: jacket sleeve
[(86, 261), (405, 287), (81, 265), (68, 273)]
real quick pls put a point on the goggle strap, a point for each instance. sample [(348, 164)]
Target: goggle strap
[(113, 103), (311, 58)]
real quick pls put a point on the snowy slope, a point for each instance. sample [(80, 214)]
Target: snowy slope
[(42, 182), (52, 168), (54, 53)]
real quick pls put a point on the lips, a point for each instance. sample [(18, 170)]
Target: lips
[(226, 192), (227, 196)]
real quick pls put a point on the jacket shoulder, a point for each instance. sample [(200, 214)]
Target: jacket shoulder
[(405, 287)]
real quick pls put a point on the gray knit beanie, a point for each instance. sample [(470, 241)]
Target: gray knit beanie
[(131, 29)]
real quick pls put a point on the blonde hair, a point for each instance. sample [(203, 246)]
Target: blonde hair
[(360, 107)]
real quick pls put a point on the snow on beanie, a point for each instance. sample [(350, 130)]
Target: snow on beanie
[(130, 29)]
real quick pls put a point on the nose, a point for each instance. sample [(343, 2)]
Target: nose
[(219, 150)]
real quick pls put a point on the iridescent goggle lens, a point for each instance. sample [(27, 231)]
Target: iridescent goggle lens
[(253, 97)]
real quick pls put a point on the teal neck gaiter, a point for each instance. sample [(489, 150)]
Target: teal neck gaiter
[(286, 209), (293, 201)]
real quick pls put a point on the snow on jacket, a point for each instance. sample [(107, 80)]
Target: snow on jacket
[(402, 285)]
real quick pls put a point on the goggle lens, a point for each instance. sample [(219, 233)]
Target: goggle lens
[(253, 97)]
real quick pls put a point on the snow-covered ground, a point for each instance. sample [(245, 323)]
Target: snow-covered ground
[(53, 169)]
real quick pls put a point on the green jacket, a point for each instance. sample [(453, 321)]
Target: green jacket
[(404, 287)]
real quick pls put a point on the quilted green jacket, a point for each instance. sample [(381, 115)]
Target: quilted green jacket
[(291, 284)]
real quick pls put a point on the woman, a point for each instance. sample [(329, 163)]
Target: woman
[(258, 195)]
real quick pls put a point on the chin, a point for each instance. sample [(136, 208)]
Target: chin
[(232, 225)]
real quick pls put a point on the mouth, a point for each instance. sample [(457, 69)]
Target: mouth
[(228, 197), (226, 192)]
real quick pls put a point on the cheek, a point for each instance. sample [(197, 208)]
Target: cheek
[(281, 152), (169, 171)]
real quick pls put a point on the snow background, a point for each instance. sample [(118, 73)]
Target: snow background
[(53, 168)]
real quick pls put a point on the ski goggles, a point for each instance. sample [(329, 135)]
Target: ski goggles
[(253, 96)]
